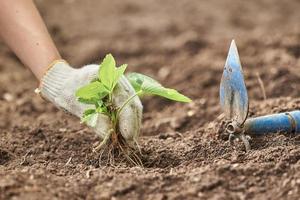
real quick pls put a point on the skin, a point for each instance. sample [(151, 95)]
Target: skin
[(24, 31)]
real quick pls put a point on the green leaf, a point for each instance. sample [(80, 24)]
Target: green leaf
[(94, 90), (101, 107), (88, 112), (88, 101), (118, 73), (102, 110), (107, 71), (90, 119), (99, 103), (109, 74), (135, 80), (176, 96), (151, 86)]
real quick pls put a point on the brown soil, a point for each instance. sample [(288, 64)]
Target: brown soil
[(46, 154)]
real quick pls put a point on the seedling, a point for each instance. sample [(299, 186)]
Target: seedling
[(99, 94)]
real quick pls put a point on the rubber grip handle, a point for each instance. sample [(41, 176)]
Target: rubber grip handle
[(288, 122)]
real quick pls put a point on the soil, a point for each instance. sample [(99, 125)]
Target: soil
[(47, 154)]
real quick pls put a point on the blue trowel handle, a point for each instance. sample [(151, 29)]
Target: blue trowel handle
[(288, 122)]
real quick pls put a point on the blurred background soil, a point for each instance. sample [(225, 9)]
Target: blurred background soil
[(46, 154)]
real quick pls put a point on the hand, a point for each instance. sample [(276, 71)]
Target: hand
[(60, 83)]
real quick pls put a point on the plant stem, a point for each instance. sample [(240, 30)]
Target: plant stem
[(125, 103)]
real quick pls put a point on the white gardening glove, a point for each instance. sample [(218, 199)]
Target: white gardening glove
[(60, 83)]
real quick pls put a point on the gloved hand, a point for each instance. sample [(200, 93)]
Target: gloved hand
[(60, 83)]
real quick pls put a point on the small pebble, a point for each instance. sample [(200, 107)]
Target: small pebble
[(191, 113), (62, 130), (163, 72), (8, 97)]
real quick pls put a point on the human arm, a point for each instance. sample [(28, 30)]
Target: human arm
[(24, 31)]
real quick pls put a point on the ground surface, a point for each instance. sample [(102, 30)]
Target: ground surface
[(46, 154)]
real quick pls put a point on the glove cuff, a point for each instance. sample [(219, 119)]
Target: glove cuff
[(54, 79)]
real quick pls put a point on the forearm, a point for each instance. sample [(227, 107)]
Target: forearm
[(24, 31)]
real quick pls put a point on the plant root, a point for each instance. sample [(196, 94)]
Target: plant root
[(115, 149), (103, 143)]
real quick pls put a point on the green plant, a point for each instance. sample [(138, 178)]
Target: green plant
[(100, 94)]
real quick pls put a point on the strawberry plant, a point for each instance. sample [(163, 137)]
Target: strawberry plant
[(99, 94)]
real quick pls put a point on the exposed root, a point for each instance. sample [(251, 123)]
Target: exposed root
[(103, 143), (115, 149)]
